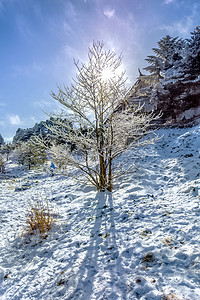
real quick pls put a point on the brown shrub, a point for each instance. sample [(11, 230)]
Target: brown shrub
[(39, 219)]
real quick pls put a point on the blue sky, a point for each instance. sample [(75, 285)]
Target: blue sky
[(40, 38)]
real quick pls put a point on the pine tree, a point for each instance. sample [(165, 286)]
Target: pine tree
[(194, 52), (1, 140), (167, 54)]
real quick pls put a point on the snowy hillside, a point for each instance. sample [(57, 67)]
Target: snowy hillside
[(140, 242)]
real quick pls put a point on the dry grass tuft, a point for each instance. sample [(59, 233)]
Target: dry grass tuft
[(170, 296), (148, 258), (39, 219)]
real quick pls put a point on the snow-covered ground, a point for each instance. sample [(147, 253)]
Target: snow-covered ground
[(140, 242)]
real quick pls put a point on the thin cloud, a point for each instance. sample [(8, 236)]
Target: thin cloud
[(43, 104), (24, 28), (71, 52), (185, 25), (70, 11), (27, 70), (109, 13), (2, 123), (14, 119), (182, 27), (169, 1), (67, 28), (2, 6)]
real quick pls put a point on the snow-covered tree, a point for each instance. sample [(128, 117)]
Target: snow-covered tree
[(194, 52), (6, 149), (176, 68), (1, 140), (101, 131), (59, 155), (2, 164), (166, 55), (30, 154)]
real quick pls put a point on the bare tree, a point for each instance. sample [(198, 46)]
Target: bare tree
[(105, 125)]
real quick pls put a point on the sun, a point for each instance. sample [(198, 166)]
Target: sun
[(107, 74)]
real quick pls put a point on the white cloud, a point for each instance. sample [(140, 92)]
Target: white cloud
[(109, 13), (14, 119)]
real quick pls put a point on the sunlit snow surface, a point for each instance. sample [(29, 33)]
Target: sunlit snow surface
[(140, 242)]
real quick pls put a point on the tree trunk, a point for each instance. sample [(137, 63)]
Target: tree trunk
[(110, 172), (102, 179)]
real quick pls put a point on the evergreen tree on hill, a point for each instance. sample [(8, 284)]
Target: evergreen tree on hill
[(166, 55), (194, 52), (176, 66), (1, 140)]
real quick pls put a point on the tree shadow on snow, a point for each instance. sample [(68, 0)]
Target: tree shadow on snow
[(100, 268)]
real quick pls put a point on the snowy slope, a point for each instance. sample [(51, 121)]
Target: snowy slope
[(140, 242)]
